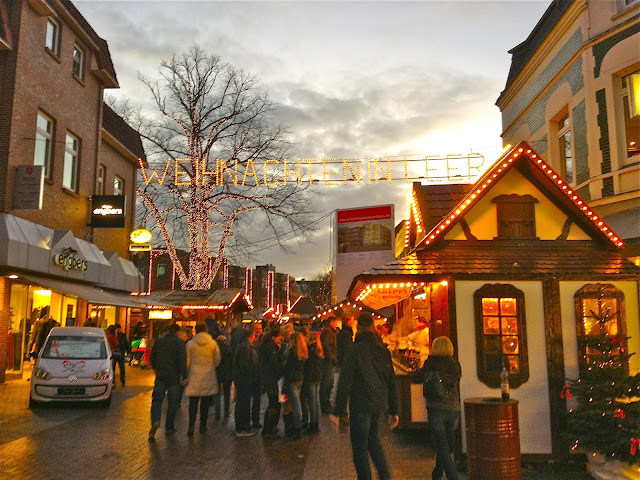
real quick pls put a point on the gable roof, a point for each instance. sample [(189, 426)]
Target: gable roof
[(122, 132), (542, 176)]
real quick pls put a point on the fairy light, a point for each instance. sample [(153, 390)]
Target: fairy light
[(499, 169), (248, 283), (270, 282)]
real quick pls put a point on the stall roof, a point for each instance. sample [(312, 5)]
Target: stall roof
[(90, 293), (303, 306), (221, 299)]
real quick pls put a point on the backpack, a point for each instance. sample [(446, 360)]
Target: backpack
[(433, 387)]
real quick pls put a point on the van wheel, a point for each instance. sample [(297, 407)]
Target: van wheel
[(106, 403), (32, 403)]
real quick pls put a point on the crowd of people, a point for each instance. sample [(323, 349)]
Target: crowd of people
[(294, 366)]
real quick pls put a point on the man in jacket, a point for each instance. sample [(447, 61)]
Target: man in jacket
[(245, 375), (169, 360), (329, 362), (368, 383), (124, 348), (270, 357), (344, 339)]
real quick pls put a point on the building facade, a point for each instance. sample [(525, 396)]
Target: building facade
[(63, 255), (573, 93)]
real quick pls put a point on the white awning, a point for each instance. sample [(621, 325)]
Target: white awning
[(90, 293)]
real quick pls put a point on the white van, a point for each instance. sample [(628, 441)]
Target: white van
[(74, 365)]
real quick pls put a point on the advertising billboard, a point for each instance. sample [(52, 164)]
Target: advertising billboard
[(107, 211), (363, 238)]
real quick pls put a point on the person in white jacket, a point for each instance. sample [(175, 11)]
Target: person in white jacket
[(203, 356)]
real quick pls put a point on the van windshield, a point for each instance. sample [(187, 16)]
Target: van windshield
[(75, 347)]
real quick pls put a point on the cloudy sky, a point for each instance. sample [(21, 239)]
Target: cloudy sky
[(353, 79)]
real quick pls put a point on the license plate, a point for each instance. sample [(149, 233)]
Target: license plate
[(71, 391)]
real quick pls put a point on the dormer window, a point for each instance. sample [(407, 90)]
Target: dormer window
[(516, 216)]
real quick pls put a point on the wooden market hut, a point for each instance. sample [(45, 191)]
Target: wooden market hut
[(513, 274)]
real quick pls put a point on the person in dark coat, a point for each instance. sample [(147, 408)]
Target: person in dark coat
[(245, 375), (329, 362), (368, 383), (444, 413), (344, 338), (237, 335), (123, 348), (311, 384), (293, 377), (224, 372), (271, 370), (169, 360)]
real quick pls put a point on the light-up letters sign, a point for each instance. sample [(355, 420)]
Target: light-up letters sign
[(326, 171)]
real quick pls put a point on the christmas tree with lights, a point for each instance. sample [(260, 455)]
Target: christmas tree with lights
[(606, 416)]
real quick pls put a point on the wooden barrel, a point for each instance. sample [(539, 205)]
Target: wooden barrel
[(493, 439)]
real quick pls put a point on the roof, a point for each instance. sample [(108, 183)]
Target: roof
[(544, 178), (523, 52), (460, 260), (436, 201), (103, 56), (303, 306), (119, 129), (220, 299)]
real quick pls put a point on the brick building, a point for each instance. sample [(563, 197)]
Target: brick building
[(573, 93), (60, 148)]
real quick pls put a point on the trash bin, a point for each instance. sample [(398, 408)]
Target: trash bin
[(493, 439)]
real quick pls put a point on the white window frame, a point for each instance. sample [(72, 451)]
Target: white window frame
[(630, 106), (47, 138), (118, 190), (79, 70), (52, 38), (71, 162), (102, 178)]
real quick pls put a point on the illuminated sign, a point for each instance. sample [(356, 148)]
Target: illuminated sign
[(68, 260), (141, 235), (160, 314), (107, 211), (140, 247), (327, 171)]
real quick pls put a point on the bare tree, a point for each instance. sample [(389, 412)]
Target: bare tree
[(216, 130)]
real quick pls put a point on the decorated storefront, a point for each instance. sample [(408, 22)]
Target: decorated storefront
[(50, 277), (517, 273)]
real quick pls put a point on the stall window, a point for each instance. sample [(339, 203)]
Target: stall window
[(600, 311), (516, 216), (501, 334)]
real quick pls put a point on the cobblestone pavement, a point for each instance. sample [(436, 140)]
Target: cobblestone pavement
[(86, 442)]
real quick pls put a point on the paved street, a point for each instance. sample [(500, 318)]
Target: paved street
[(84, 442)]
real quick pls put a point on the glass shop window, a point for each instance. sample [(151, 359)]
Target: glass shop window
[(631, 105), (501, 334), (600, 311)]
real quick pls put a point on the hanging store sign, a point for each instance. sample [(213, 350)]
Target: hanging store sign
[(28, 187), (378, 296), (107, 211)]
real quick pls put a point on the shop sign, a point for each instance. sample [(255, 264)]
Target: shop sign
[(28, 187), (107, 211), (383, 296), (139, 240), (68, 260)]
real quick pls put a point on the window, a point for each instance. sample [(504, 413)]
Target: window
[(631, 105), (516, 216), (102, 173), (118, 186), (71, 155), (78, 62), (599, 311), (501, 334), (51, 40), (564, 144), (44, 143)]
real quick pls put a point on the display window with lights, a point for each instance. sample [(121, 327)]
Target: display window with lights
[(599, 312), (631, 106), (501, 334), (30, 306), (103, 315)]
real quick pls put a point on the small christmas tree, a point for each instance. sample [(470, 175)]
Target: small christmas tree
[(606, 419)]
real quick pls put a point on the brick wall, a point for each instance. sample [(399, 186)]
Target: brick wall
[(568, 50), (581, 148)]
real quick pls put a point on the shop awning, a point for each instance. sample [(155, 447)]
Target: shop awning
[(91, 294)]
